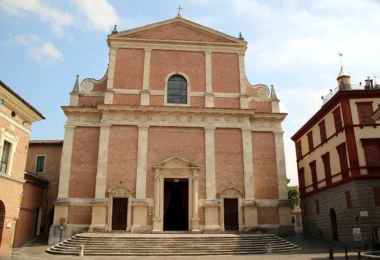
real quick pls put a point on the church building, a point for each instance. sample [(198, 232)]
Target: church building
[(172, 138)]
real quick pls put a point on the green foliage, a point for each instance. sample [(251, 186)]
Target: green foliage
[(294, 197)]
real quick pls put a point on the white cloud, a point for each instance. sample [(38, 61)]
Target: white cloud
[(46, 53), (298, 42), (22, 39), (57, 19), (100, 14)]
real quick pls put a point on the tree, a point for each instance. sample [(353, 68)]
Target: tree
[(293, 197)]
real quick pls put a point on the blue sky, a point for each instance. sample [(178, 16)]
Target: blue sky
[(292, 44)]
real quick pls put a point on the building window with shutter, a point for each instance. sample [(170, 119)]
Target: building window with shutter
[(313, 168), (301, 178), (177, 91), (348, 199), (372, 154), (299, 150), (337, 119), (310, 140), (5, 157), (40, 165), (365, 110), (342, 153), (327, 167), (317, 206), (322, 131), (376, 196)]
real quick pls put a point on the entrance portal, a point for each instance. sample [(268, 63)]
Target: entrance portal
[(176, 204), (119, 213), (231, 214), (334, 225)]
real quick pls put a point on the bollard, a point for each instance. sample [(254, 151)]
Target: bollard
[(345, 252), (331, 253), (81, 252), (269, 249), (359, 256)]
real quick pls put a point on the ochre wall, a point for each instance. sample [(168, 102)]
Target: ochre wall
[(84, 162)]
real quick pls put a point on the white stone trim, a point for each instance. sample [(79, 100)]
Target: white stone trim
[(243, 87), (208, 71), (142, 152), (210, 163), (9, 136), (111, 67), (146, 69), (188, 88), (15, 123), (248, 164), (67, 149), (101, 175), (281, 168)]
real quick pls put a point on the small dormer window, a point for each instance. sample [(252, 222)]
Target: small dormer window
[(177, 90)]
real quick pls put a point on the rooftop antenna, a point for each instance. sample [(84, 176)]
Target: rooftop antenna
[(179, 11)]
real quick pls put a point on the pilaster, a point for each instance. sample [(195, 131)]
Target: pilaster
[(108, 99), (243, 87), (157, 218), (100, 190), (209, 97), (281, 169), (248, 164), (195, 218), (144, 94), (64, 179)]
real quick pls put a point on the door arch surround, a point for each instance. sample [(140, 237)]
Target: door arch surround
[(232, 193), (175, 167), (119, 191)]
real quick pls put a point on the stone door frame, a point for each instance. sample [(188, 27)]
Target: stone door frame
[(119, 191), (231, 193), (178, 168)]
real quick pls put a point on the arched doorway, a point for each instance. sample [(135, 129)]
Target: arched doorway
[(2, 218), (334, 225)]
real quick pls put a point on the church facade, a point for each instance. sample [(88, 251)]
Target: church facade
[(173, 137)]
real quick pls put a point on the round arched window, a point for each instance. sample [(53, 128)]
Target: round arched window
[(177, 90)]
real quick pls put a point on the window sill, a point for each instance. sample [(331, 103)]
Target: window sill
[(9, 177)]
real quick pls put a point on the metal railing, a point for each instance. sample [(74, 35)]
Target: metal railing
[(342, 87)]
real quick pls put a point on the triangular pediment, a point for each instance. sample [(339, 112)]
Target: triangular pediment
[(177, 29), (175, 162)]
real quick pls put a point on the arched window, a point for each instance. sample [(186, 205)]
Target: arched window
[(177, 90)]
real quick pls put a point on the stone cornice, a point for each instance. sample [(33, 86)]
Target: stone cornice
[(11, 178)]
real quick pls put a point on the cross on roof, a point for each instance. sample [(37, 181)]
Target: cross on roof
[(179, 10)]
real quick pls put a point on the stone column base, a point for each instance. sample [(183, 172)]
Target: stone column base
[(250, 214), (140, 213), (195, 225), (156, 226), (212, 216), (99, 216)]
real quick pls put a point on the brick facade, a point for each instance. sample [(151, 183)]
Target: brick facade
[(137, 140)]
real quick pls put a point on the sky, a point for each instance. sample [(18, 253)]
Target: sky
[(292, 44)]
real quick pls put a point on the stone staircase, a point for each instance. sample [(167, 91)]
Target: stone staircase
[(108, 244)]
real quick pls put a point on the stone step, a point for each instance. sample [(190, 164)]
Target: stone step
[(105, 244)]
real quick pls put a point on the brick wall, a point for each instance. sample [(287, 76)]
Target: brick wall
[(225, 78), (264, 165), (229, 159), (129, 69), (260, 106), (227, 102), (90, 101), (79, 215), (84, 162), (126, 99), (267, 215)]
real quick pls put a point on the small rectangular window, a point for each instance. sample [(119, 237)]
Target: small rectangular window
[(40, 166), (337, 119), (365, 110), (327, 167), (348, 199), (310, 140), (5, 157), (322, 131)]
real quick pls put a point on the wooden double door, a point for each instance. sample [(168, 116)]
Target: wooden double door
[(119, 213), (231, 214)]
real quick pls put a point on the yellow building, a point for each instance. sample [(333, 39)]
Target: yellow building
[(338, 158)]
